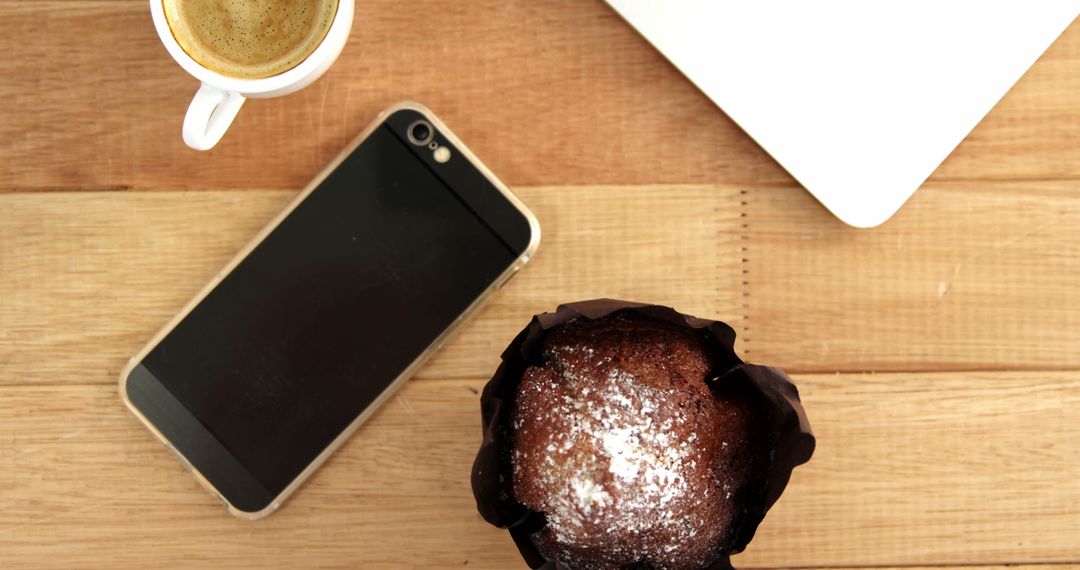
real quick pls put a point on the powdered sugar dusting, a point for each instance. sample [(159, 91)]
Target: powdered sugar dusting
[(633, 481)]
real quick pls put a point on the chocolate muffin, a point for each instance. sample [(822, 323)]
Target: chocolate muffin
[(632, 457)]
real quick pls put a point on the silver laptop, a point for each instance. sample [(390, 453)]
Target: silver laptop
[(859, 100)]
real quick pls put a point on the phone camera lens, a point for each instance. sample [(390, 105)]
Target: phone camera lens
[(420, 133)]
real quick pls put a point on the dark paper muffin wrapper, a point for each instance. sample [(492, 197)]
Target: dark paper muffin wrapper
[(793, 442)]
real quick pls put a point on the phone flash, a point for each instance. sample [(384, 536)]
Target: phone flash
[(442, 155)]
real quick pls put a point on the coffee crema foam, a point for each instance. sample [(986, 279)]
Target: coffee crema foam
[(250, 39)]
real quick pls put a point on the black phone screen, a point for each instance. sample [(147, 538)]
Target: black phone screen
[(322, 315)]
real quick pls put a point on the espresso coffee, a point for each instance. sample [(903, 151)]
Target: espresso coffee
[(249, 39)]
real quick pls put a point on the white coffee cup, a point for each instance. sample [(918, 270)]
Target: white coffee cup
[(219, 99)]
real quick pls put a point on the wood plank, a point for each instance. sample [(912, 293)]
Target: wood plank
[(562, 92), (551, 93), (1052, 566), (87, 278), (912, 469), (966, 276), (933, 468), (982, 567), (1010, 567)]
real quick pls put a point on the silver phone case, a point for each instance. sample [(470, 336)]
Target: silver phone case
[(463, 153)]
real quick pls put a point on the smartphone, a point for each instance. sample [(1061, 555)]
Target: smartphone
[(329, 309)]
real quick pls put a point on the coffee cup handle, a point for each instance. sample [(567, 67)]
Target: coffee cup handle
[(209, 116)]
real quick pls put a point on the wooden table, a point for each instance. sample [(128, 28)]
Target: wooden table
[(938, 355)]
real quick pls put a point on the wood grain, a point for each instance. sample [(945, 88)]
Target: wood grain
[(1010, 567), (1052, 566), (924, 469), (557, 92), (545, 93), (967, 276), (984, 567), (932, 465), (87, 278)]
